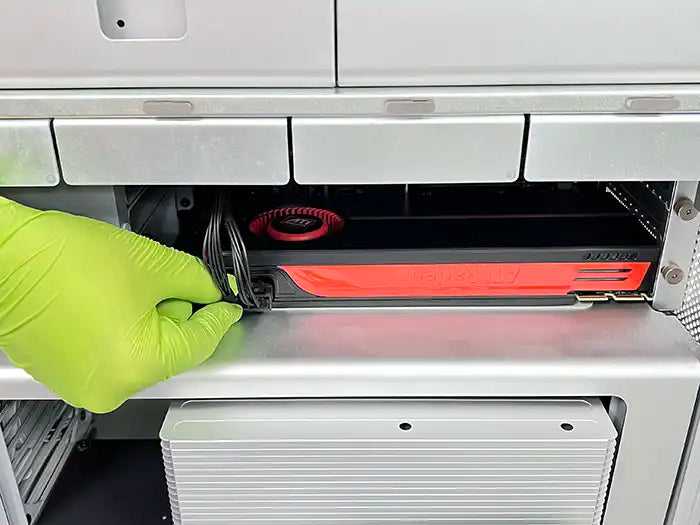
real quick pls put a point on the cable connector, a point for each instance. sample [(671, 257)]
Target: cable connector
[(252, 296), (264, 295)]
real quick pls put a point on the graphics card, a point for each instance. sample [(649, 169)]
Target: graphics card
[(360, 247), (289, 249)]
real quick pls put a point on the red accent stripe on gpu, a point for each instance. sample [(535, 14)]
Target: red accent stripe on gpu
[(467, 280)]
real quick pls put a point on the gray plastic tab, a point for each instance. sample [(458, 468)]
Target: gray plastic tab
[(652, 103), (410, 107), (167, 107)]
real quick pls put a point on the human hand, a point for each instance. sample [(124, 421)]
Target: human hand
[(97, 313)]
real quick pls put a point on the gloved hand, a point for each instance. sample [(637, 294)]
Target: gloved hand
[(97, 313)]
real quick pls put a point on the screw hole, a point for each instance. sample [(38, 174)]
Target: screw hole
[(121, 23), (567, 426), (185, 202), (405, 426)]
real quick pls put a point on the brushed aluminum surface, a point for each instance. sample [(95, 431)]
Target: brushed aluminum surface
[(354, 102), (173, 151), (685, 505), (4, 518), (407, 150), (630, 352), (678, 248), (27, 156), (613, 148)]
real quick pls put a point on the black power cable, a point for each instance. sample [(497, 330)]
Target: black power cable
[(241, 268), (212, 252), (213, 255)]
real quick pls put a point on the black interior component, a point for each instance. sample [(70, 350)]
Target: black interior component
[(509, 216), (111, 483), (296, 224), (459, 232)]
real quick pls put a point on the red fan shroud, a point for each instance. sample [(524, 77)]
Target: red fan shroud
[(296, 223)]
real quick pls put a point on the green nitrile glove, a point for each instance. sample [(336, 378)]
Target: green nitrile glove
[(97, 313)]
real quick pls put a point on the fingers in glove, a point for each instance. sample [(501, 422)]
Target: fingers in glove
[(173, 274), (175, 309), (184, 345), (12, 217), (184, 276)]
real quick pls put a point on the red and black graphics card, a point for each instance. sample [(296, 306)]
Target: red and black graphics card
[(310, 256)]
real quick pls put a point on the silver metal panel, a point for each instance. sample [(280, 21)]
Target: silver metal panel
[(641, 356), (436, 461), (678, 247), (173, 151), (286, 353), (9, 492), (407, 150), (226, 43), (4, 518), (613, 147), (452, 42), (508, 100), (689, 311), (27, 156), (685, 505), (684, 508)]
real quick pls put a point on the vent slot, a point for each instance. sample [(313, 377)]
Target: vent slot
[(36, 438)]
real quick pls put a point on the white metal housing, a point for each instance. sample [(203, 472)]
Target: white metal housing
[(129, 43), (490, 42), (366, 462)]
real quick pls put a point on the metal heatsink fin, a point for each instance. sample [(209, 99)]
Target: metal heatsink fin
[(493, 462)]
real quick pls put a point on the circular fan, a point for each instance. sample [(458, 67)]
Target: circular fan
[(296, 223)]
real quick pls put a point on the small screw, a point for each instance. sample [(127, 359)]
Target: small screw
[(672, 274), (685, 209), (51, 179), (126, 226)]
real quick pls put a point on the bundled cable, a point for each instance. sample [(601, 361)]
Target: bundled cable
[(241, 267), (213, 255)]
